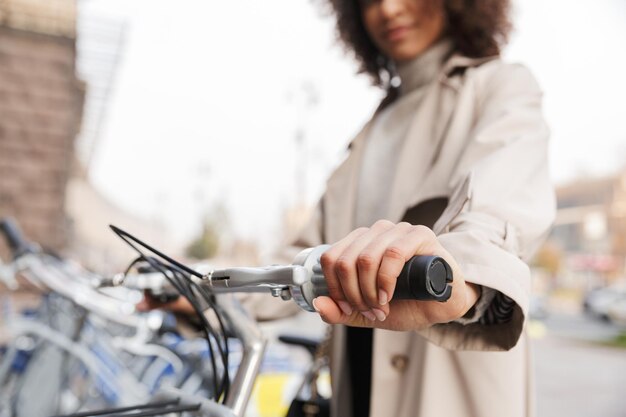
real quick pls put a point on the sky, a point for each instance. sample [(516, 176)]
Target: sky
[(209, 98)]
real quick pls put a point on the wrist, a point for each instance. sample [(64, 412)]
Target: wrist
[(473, 294)]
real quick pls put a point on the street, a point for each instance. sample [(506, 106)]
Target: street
[(575, 375)]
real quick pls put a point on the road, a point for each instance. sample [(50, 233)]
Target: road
[(576, 376)]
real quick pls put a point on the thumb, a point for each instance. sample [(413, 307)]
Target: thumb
[(329, 311)]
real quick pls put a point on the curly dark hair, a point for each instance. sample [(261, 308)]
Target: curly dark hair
[(478, 28)]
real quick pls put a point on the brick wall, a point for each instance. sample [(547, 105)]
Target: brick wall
[(40, 110)]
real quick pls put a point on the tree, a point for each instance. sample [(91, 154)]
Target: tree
[(206, 244), (549, 258)]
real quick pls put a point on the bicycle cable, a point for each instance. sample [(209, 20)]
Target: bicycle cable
[(179, 276)]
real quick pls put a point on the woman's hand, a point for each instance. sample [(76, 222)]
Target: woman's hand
[(361, 272), (180, 305)]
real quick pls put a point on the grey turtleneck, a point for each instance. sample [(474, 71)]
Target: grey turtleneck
[(388, 131)]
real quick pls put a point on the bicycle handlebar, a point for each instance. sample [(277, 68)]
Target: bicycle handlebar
[(422, 278), (425, 278)]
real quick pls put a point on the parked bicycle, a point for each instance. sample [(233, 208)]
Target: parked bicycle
[(219, 317), (80, 346)]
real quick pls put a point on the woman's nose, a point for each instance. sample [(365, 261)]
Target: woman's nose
[(391, 8)]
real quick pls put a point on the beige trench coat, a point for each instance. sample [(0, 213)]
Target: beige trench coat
[(486, 153)]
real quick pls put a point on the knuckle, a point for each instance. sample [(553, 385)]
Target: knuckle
[(359, 231), (423, 230), (327, 260), (394, 252), (365, 261), (383, 223), (343, 267), (385, 278)]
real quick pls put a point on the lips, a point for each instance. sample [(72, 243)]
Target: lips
[(396, 33)]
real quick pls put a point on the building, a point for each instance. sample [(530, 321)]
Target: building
[(590, 228), (41, 101)]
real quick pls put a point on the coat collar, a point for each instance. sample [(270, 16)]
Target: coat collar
[(431, 122), (458, 63), (449, 77)]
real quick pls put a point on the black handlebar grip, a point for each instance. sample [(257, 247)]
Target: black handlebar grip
[(14, 237), (424, 278)]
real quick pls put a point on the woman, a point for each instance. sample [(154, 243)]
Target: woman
[(453, 163)]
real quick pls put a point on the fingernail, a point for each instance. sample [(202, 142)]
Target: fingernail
[(382, 297), (315, 305), (380, 315), (345, 307), (368, 315)]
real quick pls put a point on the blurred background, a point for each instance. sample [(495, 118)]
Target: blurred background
[(209, 128)]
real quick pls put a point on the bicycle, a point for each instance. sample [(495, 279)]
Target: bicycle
[(88, 346), (302, 281), (423, 278)]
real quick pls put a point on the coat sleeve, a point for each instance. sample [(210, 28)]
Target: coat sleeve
[(504, 204)]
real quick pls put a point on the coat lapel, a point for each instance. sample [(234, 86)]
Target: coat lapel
[(340, 197), (421, 147), (419, 152), (426, 136)]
